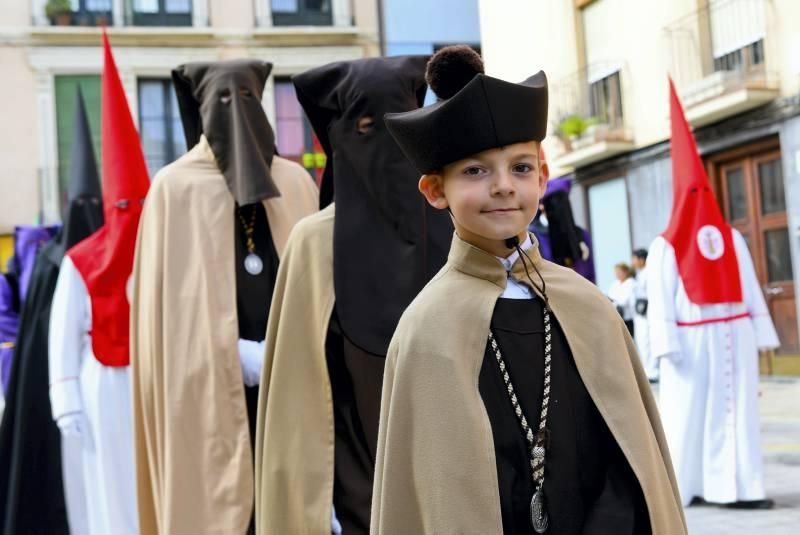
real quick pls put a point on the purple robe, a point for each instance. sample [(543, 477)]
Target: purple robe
[(13, 287)]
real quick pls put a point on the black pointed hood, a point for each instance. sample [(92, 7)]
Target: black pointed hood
[(84, 212), (382, 225)]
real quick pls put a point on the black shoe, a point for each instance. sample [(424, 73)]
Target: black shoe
[(751, 504), (653, 380), (697, 500)]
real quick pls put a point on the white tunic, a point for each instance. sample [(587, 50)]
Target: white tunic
[(81, 385), (709, 379)]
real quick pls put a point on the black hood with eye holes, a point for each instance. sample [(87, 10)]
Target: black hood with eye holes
[(223, 101), (388, 242)]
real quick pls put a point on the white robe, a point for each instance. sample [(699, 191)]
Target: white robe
[(709, 379), (641, 331), (79, 383)]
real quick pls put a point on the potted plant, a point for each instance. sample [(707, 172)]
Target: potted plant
[(572, 127), (59, 12)]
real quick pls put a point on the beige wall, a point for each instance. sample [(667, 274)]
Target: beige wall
[(238, 14), (522, 36), (19, 183), (784, 18)]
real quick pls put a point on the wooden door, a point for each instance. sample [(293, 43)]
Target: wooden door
[(751, 190)]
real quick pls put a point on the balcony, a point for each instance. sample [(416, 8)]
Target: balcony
[(57, 16), (589, 124), (720, 60)]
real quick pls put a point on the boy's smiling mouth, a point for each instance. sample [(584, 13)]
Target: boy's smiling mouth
[(501, 210)]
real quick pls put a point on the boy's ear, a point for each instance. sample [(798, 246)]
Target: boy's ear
[(432, 187), (544, 170)]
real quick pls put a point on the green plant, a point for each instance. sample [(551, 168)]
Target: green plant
[(574, 125), (54, 8)]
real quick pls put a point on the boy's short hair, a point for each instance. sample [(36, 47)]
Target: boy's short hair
[(640, 254)]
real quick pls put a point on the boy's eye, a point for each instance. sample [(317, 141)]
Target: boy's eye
[(473, 171), (522, 168)]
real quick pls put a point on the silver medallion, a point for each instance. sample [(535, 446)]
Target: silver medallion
[(539, 519), (253, 264)]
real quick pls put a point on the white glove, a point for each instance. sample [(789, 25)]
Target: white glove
[(72, 424), (584, 251), (251, 358), (336, 527)]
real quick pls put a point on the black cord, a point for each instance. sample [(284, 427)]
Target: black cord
[(513, 243)]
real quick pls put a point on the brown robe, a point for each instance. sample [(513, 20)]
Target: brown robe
[(435, 469), (193, 455)]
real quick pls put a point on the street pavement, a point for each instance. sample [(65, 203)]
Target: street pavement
[(780, 435)]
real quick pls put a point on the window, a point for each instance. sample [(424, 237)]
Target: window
[(65, 89), (160, 124), (738, 28), (295, 137), (742, 59), (162, 12), (91, 12), (605, 102), (301, 13)]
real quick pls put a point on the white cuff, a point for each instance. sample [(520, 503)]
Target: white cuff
[(65, 397)]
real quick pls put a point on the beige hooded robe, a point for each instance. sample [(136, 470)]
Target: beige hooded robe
[(193, 455)]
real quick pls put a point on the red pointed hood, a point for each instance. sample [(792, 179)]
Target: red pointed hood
[(702, 239), (105, 259)]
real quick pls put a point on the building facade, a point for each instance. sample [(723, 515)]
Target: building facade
[(736, 68), (48, 54)]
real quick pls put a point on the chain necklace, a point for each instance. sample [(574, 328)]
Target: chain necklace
[(252, 262), (536, 442)]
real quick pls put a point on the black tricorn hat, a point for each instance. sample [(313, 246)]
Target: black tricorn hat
[(485, 113)]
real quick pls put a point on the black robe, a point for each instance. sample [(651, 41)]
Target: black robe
[(253, 295), (31, 487), (589, 487), (356, 379)]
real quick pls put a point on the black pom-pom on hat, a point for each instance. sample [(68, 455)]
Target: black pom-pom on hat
[(451, 68)]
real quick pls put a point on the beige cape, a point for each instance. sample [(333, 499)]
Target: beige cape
[(294, 441), (193, 455), (436, 470)]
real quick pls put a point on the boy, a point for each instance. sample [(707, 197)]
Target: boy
[(528, 413)]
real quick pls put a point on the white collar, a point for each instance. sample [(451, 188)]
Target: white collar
[(508, 262)]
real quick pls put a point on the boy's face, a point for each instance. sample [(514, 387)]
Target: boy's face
[(493, 195)]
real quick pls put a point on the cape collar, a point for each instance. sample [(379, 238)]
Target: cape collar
[(476, 262)]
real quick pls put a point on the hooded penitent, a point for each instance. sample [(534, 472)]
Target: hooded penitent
[(702, 239), (382, 222), (560, 238), (195, 297), (346, 277), (105, 259), (31, 488)]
